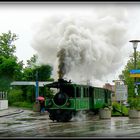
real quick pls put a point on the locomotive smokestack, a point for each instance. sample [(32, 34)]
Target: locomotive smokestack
[(61, 65), (60, 75)]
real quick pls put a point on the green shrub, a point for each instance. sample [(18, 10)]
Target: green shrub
[(134, 103), (30, 96), (116, 105), (23, 104), (15, 95), (119, 109)]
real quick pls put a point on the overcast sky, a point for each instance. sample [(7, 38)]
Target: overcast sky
[(27, 18)]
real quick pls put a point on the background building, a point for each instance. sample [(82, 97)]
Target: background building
[(119, 91)]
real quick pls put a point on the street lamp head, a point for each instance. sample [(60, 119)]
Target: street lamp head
[(135, 43)]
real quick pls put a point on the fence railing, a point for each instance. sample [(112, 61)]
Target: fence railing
[(3, 95)]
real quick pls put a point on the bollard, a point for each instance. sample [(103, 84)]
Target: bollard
[(36, 107), (105, 113), (134, 114), (3, 104)]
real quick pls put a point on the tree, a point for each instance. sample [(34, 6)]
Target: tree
[(10, 68), (7, 48), (32, 62), (29, 74), (126, 74), (44, 72)]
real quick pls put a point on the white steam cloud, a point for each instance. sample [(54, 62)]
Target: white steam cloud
[(83, 48)]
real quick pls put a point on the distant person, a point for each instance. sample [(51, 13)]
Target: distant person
[(42, 106)]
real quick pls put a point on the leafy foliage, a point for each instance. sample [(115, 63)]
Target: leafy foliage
[(34, 72), (133, 100), (15, 96), (23, 104), (32, 62), (121, 108), (44, 72), (10, 68), (134, 103), (126, 74), (4, 83), (7, 48)]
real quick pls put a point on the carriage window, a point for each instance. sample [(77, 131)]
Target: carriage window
[(97, 92), (77, 92), (85, 92), (90, 92), (69, 90)]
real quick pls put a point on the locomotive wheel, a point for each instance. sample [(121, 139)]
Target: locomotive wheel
[(66, 117), (59, 116)]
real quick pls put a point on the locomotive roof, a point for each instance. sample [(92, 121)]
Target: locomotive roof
[(62, 82), (58, 84)]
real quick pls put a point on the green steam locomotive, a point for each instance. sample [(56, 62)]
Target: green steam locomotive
[(71, 98)]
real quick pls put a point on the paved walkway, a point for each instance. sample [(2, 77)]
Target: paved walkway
[(10, 111)]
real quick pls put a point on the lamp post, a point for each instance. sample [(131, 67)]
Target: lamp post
[(135, 44), (37, 88)]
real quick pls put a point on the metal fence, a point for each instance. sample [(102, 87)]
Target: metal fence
[(3, 95)]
